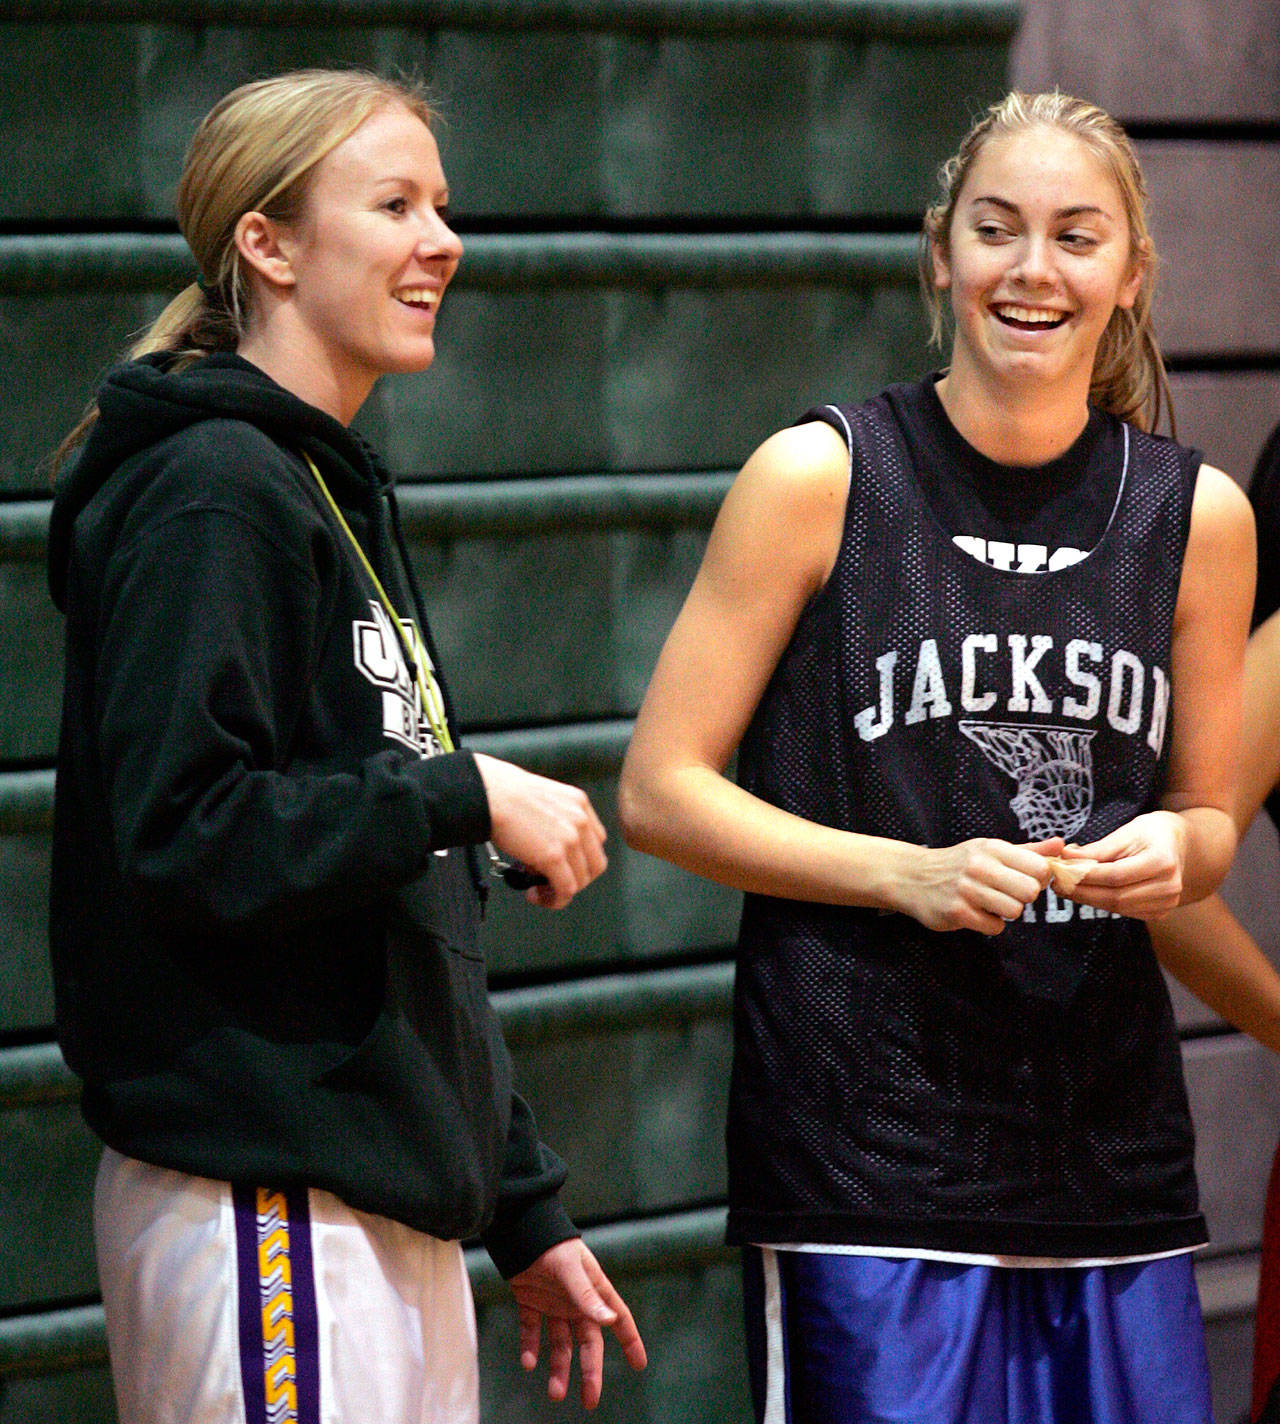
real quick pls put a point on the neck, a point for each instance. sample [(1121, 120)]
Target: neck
[(1017, 423), (294, 363)]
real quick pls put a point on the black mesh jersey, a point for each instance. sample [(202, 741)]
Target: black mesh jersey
[(894, 1087)]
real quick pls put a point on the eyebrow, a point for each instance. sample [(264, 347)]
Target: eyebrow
[(395, 181), (1078, 210)]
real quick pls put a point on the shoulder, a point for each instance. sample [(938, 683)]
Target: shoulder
[(212, 458), (219, 467), (1221, 516), (1220, 559), (801, 463), (781, 521), (220, 486), (815, 442)]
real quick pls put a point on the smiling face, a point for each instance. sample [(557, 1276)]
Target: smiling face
[(358, 281), (1037, 258)]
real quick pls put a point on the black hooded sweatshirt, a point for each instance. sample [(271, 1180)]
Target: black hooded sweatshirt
[(264, 916)]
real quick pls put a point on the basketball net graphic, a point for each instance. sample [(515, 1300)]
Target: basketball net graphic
[(1053, 767)]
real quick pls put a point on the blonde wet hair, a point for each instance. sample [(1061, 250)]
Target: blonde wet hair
[(255, 151), (1129, 378)]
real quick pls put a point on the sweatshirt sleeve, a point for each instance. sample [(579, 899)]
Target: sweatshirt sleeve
[(209, 630), (529, 1218)]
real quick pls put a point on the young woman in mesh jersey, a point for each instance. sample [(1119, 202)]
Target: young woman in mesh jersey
[(984, 698)]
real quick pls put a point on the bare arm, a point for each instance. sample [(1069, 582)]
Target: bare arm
[(1180, 853), (1205, 946), (1260, 727), (771, 551)]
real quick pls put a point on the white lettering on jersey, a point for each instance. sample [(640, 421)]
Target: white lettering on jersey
[(1126, 675), (1077, 648), (929, 691), (865, 721), (1063, 911), (1123, 681), (1023, 673), (1019, 558), (970, 699), (1159, 710)]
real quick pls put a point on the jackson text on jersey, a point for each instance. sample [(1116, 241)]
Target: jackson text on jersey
[(1115, 683)]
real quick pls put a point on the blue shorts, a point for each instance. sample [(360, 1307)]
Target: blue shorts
[(839, 1339)]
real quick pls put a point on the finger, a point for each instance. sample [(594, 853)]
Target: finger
[(624, 1325), (545, 898), (626, 1332), (579, 866), (562, 883), (1146, 865), (994, 876), (983, 921), (1055, 845), (581, 1284), (1021, 886), (559, 1357), (1026, 858), (1116, 846), (994, 902), (590, 1362), (530, 1336), (1135, 902), (597, 861)]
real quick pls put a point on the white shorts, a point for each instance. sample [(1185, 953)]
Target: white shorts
[(230, 1305)]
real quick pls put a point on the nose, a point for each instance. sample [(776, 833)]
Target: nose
[(437, 239), (1034, 267)]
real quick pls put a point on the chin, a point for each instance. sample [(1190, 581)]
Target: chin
[(407, 363)]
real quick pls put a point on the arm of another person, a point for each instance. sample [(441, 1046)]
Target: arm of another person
[(1179, 853), (771, 550), (1204, 945)]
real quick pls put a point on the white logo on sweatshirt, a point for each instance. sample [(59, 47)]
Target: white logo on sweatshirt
[(379, 656)]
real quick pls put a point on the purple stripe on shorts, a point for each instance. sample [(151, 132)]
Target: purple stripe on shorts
[(306, 1322), (245, 1200), (279, 1327)]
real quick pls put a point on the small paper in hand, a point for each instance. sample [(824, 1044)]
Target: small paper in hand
[(1067, 874)]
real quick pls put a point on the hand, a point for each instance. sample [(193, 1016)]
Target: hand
[(547, 825), (977, 885), (567, 1286), (1140, 867)]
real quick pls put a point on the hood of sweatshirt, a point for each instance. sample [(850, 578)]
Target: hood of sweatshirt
[(144, 402)]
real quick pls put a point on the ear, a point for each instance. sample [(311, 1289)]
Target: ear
[(939, 263), (259, 241), (1139, 265)]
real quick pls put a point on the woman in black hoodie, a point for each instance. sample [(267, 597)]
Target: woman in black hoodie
[(268, 854)]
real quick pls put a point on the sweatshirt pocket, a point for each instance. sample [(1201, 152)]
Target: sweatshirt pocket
[(424, 1100)]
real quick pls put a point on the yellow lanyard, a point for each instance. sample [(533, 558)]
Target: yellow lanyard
[(428, 687)]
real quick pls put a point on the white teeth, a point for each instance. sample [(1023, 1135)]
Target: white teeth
[(1032, 316), (418, 296)]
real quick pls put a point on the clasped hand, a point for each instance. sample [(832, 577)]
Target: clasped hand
[(985, 883), (548, 826)]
